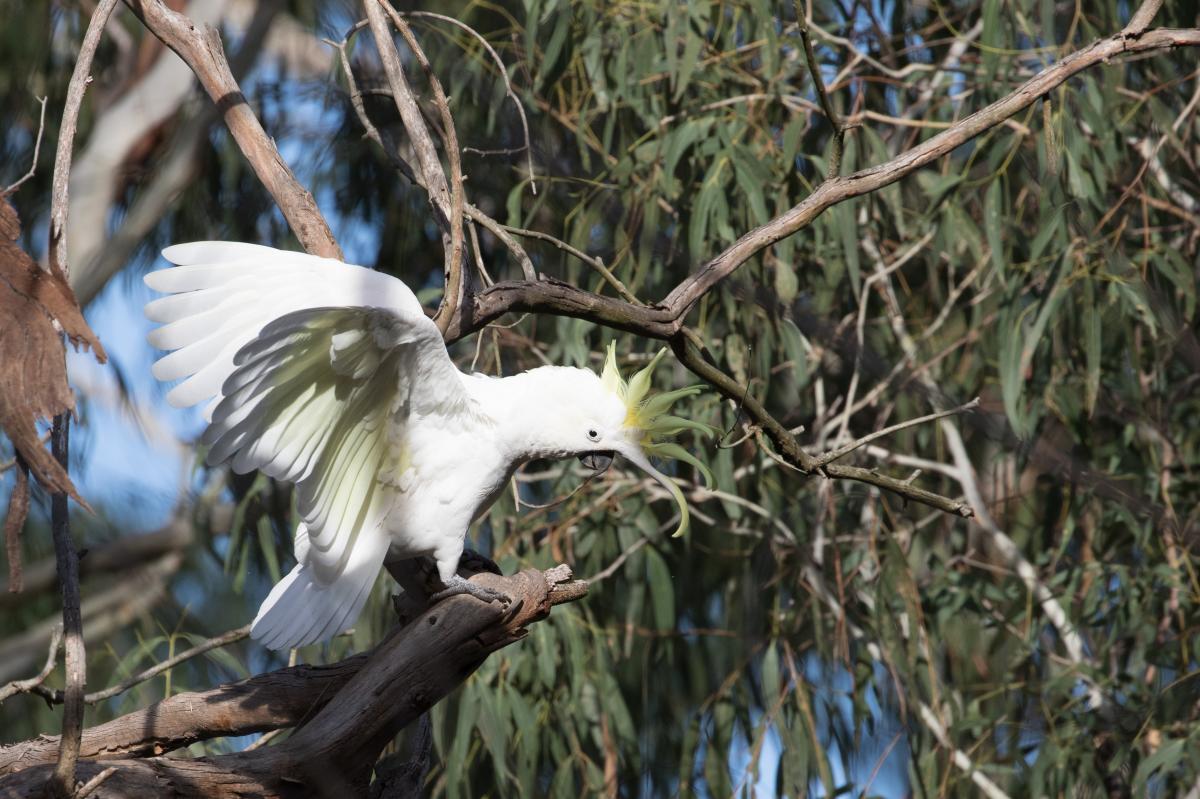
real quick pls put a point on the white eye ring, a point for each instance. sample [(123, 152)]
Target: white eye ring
[(593, 435)]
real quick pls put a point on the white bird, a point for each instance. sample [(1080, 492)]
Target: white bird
[(331, 377)]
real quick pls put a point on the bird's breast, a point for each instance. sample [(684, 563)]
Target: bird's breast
[(442, 480)]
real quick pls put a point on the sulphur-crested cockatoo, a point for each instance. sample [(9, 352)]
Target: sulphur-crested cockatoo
[(331, 377)]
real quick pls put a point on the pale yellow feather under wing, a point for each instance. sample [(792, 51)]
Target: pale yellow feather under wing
[(322, 416)]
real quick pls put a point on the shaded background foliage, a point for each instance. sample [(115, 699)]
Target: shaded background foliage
[(788, 644)]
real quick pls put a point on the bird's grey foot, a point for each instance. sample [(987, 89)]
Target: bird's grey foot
[(458, 585)]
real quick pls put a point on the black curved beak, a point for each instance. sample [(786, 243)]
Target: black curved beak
[(598, 462)]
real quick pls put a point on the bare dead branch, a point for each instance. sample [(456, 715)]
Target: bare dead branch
[(275, 700), (200, 47)]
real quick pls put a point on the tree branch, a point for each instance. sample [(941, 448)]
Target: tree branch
[(665, 318), (814, 69), (275, 700), (350, 710), (844, 450), (455, 294), (508, 87), (61, 783), (25, 686), (37, 149), (200, 48), (839, 189)]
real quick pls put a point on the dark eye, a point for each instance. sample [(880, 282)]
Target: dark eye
[(593, 435)]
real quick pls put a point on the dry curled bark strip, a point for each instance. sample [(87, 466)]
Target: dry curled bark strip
[(349, 710), (201, 49), (33, 371), (14, 520)]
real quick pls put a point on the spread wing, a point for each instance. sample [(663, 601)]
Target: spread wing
[(315, 366)]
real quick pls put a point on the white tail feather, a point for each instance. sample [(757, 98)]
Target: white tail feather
[(301, 610)]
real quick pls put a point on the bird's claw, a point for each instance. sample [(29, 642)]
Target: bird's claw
[(459, 585)]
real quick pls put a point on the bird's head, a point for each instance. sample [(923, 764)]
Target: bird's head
[(614, 416)]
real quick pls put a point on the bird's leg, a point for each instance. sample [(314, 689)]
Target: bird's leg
[(456, 585), (474, 562)]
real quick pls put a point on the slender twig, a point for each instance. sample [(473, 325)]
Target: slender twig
[(62, 781), (590, 260), (37, 149), (216, 642), (477, 253), (846, 449), (390, 150), (265, 739), (225, 639), (508, 88), (611, 568), (501, 232), (89, 787), (839, 132), (25, 686)]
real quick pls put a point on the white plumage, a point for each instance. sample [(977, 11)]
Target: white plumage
[(331, 377)]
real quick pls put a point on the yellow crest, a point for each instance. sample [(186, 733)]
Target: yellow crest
[(649, 416)]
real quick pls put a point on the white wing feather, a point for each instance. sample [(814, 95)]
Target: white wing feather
[(315, 366)]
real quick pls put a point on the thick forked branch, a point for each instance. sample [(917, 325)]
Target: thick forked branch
[(202, 51), (349, 710)]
